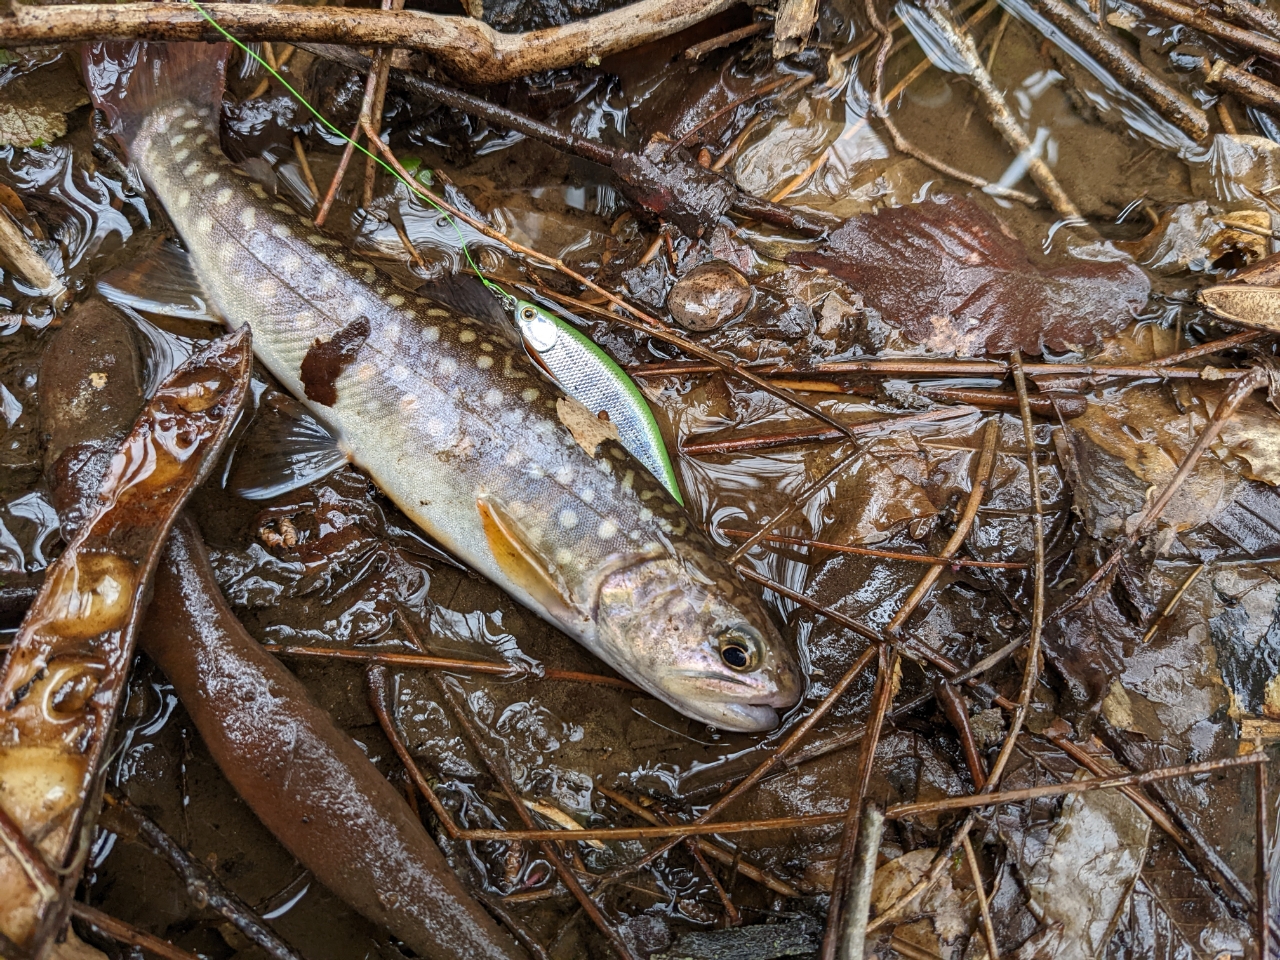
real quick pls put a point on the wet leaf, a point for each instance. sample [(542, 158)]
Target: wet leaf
[(1094, 854), (954, 279), (20, 127)]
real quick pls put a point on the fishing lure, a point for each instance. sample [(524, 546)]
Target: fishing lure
[(591, 377)]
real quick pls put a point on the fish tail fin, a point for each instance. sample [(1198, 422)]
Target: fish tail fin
[(129, 80)]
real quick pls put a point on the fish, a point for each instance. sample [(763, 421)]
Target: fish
[(591, 376), (450, 418)]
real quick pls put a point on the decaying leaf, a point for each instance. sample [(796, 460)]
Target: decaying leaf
[(20, 127), (1093, 857), (943, 918), (33, 105), (956, 280), (588, 429)]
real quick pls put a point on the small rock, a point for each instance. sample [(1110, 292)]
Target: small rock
[(709, 296)]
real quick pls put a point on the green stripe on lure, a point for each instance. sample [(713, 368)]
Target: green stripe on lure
[(590, 376)]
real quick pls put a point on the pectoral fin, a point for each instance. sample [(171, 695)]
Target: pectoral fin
[(523, 564)]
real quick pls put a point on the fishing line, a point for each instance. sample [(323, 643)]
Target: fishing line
[(493, 288)]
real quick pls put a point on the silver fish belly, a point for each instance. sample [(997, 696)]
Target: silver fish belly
[(456, 424)]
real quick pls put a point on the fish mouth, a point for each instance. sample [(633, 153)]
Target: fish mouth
[(742, 717)]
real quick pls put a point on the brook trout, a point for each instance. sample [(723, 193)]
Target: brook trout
[(450, 417)]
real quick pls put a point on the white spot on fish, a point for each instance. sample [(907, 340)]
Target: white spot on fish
[(366, 372), (628, 478), (257, 190), (304, 318), (487, 347), (280, 231), (399, 372), (564, 475), (493, 397), (645, 514), (282, 208), (408, 402), (434, 312), (177, 141), (431, 334), (191, 168), (529, 395), (484, 363), (536, 471), (564, 557), (202, 139), (466, 336), (568, 519), (606, 530), (189, 124), (586, 494), (290, 263), (210, 179), (392, 332), (222, 195), (268, 289), (204, 225), (435, 427), (513, 458), (181, 155), (248, 217), (315, 240), (447, 367), (395, 300), (184, 198)]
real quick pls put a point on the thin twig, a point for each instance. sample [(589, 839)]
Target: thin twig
[(29, 858), (202, 886), (870, 552), (376, 684), (854, 933), (122, 932), (1173, 602), (424, 662), (676, 832), (708, 847), (993, 951), (1001, 117), (807, 435), (1262, 863), (305, 167), (837, 906), (981, 477), (1240, 391)]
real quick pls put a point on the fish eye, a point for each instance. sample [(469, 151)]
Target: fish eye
[(528, 313), (739, 649)]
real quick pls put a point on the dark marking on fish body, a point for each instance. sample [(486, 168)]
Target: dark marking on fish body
[(326, 360)]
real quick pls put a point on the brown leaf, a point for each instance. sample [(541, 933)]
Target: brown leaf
[(953, 278)]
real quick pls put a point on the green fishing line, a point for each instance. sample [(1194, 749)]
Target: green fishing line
[(414, 188)]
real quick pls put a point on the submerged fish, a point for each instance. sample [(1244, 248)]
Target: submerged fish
[(589, 375), (450, 418)]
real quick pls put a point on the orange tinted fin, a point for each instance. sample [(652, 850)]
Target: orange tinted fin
[(523, 565)]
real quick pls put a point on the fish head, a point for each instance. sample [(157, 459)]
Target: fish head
[(687, 629)]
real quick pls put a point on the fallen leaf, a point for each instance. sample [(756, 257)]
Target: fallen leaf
[(27, 128), (588, 429), (956, 280)]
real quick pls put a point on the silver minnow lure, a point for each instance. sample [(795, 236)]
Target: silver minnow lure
[(589, 375), (451, 418)]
